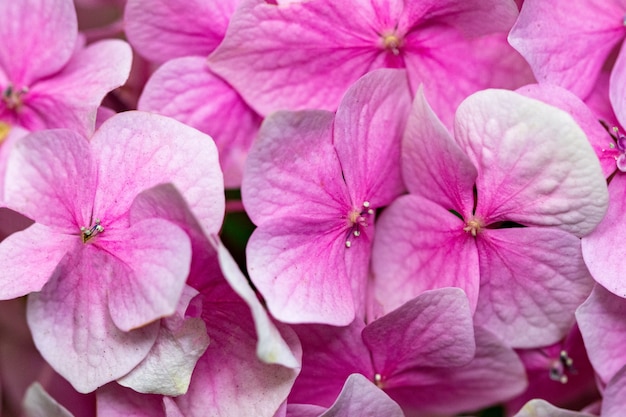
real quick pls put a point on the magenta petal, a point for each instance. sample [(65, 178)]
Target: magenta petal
[(157, 150), (179, 89), (601, 322), (28, 260), (420, 246), (433, 165), (532, 281), (72, 327), (38, 37), (535, 164), (156, 256), (293, 169), (50, 178), (368, 128), (434, 329), (161, 30), (300, 271)]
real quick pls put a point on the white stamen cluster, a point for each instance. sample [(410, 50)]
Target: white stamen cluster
[(358, 219), (88, 233)]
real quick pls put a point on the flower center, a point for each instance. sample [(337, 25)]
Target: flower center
[(618, 149), (357, 219), (561, 367), (89, 233), (5, 128), (474, 226), (378, 380), (14, 97), (392, 42)]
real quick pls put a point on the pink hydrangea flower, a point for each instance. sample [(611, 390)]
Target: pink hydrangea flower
[(48, 79), (103, 274), (512, 161), (312, 184)]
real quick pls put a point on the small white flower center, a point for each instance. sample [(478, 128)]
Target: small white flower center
[(561, 367), (91, 232), (474, 226), (358, 219)]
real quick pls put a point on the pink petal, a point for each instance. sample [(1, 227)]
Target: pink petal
[(434, 329), (38, 403), (71, 98), (9, 135), (535, 165), (614, 396), (360, 397), (420, 246), (156, 255), (568, 45), (30, 257), (368, 128), (72, 328), (524, 274), (50, 178), (601, 322), (117, 401), (599, 248), (165, 29), (157, 150), (433, 165), (495, 374), (38, 38), (617, 87), (299, 268), (542, 408), (179, 89)]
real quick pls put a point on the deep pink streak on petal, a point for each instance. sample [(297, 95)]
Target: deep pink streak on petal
[(535, 164), (50, 178), (293, 170), (72, 327), (600, 248), (179, 89), (28, 54), (29, 258), (433, 165), (433, 330), (165, 29), (136, 151), (367, 132), (532, 281), (568, 45), (421, 246), (299, 268)]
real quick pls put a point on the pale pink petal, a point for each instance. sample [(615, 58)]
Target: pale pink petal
[(535, 164), (156, 150), (30, 257), (51, 179), (568, 45), (117, 401), (598, 100), (157, 256), (229, 379), (495, 374), (293, 170), (600, 248), (9, 135), (319, 41), (72, 327), (165, 29), (299, 268), (614, 396), (360, 397), (532, 281), (597, 135), (303, 410), (367, 132), (38, 38), (617, 87), (171, 408), (433, 165), (542, 408), (38, 403), (601, 322), (421, 246), (433, 330), (71, 98), (330, 355), (179, 89)]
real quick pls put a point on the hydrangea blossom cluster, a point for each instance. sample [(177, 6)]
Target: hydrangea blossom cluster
[(307, 208)]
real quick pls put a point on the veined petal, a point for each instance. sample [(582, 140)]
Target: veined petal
[(179, 89), (367, 132), (535, 164), (72, 327), (532, 281)]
